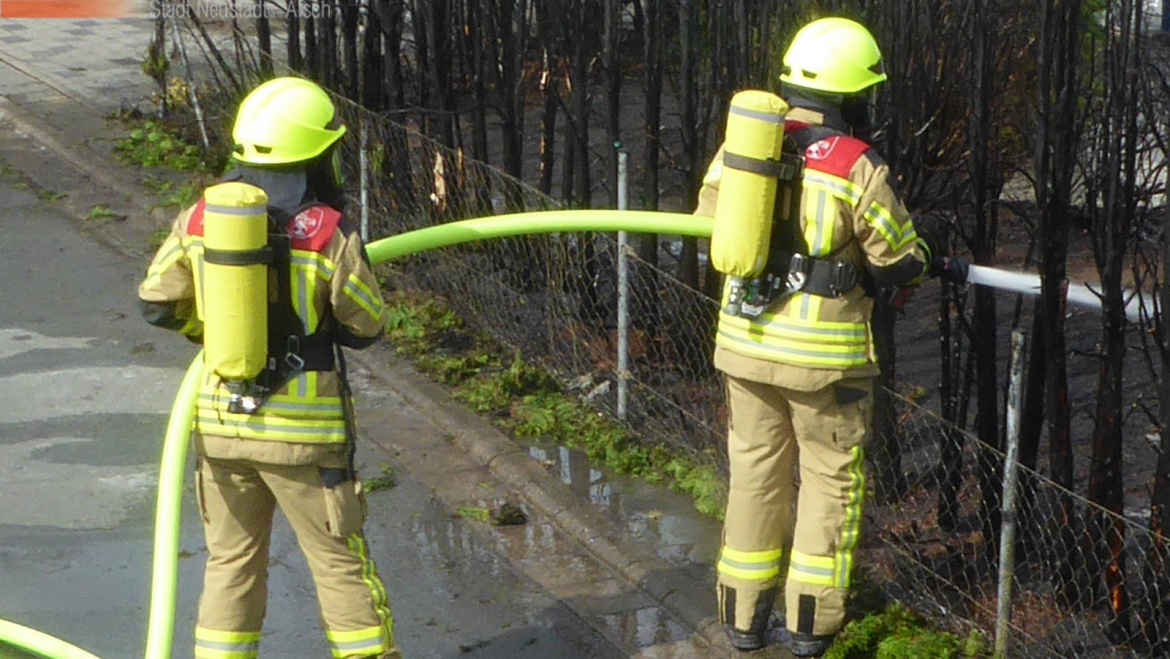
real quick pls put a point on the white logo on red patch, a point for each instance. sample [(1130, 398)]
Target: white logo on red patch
[(306, 224), (822, 149)]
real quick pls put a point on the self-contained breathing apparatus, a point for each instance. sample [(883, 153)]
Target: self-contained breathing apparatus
[(254, 347), (759, 195)]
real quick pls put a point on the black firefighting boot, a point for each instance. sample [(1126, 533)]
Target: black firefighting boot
[(754, 637), (804, 645), (802, 642)]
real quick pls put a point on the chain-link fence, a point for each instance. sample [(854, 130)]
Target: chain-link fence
[(553, 297), (1060, 604)]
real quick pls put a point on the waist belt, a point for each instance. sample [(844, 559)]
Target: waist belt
[(806, 274), (303, 352)]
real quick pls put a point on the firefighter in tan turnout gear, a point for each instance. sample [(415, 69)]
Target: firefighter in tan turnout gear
[(269, 276), (794, 338)]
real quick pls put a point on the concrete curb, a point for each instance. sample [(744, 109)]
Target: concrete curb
[(507, 461)]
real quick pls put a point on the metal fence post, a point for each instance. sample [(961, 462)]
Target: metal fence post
[(623, 301), (1007, 532), (364, 176)]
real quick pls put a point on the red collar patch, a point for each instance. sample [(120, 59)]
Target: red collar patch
[(822, 149), (307, 223)]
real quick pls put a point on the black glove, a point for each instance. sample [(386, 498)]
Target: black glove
[(950, 268)]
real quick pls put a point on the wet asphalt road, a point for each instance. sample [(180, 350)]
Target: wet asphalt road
[(86, 388)]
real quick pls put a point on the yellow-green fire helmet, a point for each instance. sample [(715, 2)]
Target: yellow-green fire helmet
[(834, 55), (285, 120)]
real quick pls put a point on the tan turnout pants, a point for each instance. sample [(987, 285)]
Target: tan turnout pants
[(771, 430), (237, 500)]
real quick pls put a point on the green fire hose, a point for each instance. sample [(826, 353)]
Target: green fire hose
[(160, 631), (517, 224)]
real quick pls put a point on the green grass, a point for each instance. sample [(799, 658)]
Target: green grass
[(153, 143), (50, 195), (525, 400), (475, 513), (897, 633), (100, 212), (386, 480)]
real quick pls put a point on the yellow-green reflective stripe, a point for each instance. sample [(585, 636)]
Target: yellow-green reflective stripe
[(326, 407), (212, 644), (211, 391), (814, 229), (851, 530), (750, 565), (357, 544), (838, 187), (795, 355), (361, 642), (815, 570), (301, 283), (313, 262), (779, 327), (363, 296), (898, 236), (264, 428)]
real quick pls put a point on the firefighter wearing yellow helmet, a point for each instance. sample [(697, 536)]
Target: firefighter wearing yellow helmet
[(796, 346), (269, 275)]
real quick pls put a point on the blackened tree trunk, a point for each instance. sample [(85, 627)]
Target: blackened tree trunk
[(349, 48), (688, 266), (473, 54), (327, 43), (390, 19), (371, 93), (264, 42), (1059, 85), (293, 27), (1156, 628), (312, 52), (584, 52), (439, 73), (549, 83), (421, 29), (647, 310), (652, 123), (611, 63), (987, 416), (1113, 218), (512, 46), (1031, 426)]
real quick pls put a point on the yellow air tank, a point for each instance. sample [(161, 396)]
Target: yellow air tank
[(742, 231), (235, 281)]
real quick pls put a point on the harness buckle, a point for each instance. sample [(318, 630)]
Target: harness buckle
[(844, 278), (292, 357), (798, 268)]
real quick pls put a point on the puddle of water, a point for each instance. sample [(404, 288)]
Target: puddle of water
[(646, 511)]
